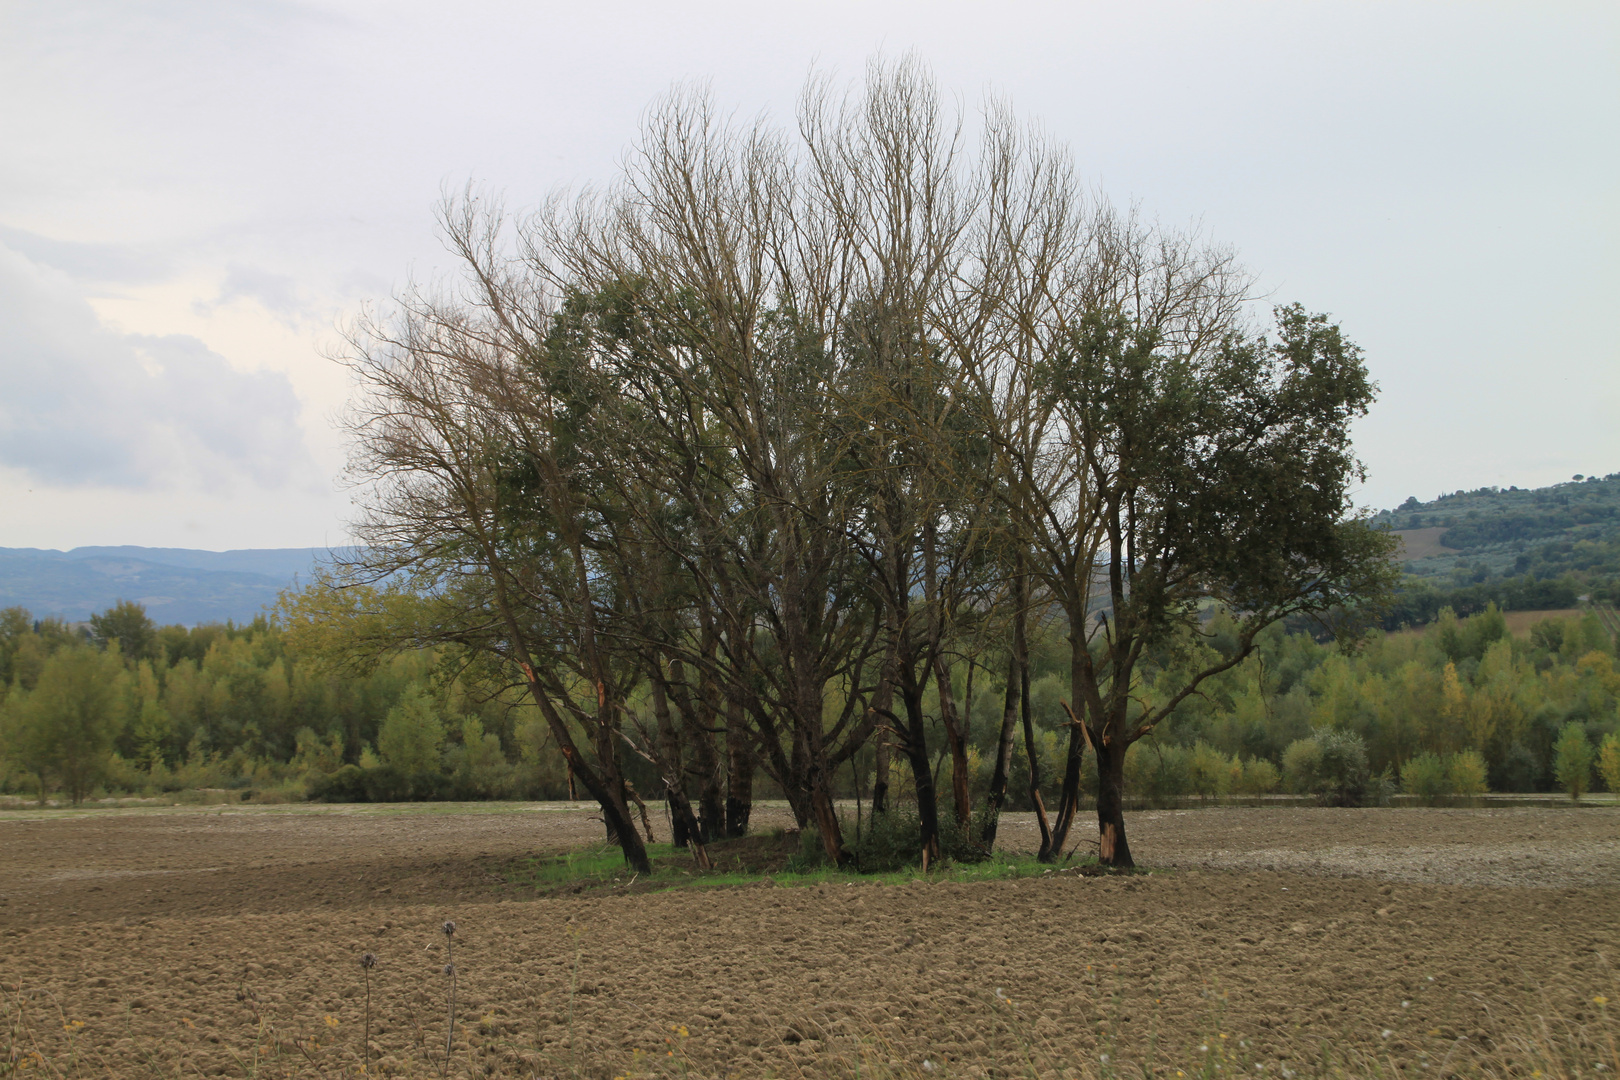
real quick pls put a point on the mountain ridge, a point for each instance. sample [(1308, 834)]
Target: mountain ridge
[(176, 585)]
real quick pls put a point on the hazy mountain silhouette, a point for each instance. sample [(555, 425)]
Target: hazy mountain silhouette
[(177, 585)]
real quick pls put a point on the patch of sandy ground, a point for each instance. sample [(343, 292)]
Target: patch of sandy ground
[(202, 942)]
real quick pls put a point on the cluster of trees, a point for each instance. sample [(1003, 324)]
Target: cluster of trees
[(790, 434)]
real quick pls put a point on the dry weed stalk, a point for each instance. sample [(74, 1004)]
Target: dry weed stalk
[(450, 971)]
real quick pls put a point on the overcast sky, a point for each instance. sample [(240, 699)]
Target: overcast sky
[(194, 195)]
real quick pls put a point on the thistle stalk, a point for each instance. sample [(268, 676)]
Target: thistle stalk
[(367, 962), (450, 970)]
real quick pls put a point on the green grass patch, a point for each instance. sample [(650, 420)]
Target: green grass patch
[(770, 859)]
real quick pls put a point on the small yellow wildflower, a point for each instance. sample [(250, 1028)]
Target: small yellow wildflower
[(1600, 1000), (331, 1021)]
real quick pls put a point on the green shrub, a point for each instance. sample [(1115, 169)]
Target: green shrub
[(1344, 772), (893, 841), (1425, 776), (1156, 772), (347, 783), (1465, 772), (1301, 764), (1609, 762), (1260, 777), (412, 734), (1332, 765), (1209, 772), (1572, 760), (478, 767)]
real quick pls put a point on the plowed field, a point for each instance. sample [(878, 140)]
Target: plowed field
[(187, 942)]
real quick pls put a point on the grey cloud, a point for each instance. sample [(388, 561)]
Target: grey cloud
[(83, 405), (110, 263), (276, 293)]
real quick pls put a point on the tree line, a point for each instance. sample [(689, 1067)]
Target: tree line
[(1456, 708), (121, 704)]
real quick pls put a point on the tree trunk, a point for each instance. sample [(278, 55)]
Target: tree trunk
[(739, 770), (883, 705), (955, 740), (1069, 800), (610, 797), (827, 823), (1021, 645), (916, 751), (997, 796), (698, 717), (684, 822), (1112, 847)]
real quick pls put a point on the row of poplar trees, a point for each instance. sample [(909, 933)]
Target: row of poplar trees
[(770, 432)]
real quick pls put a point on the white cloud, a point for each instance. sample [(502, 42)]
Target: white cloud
[(84, 405)]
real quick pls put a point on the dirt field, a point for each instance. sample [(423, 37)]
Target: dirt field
[(1520, 622), (1422, 543), (187, 942)]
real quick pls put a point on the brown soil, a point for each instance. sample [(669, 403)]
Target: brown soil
[(1422, 543), (186, 942), (1520, 622)]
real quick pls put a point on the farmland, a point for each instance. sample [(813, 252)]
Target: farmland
[(226, 941)]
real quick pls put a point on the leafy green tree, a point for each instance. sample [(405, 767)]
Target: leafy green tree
[(1609, 762), (1466, 773), (411, 739), (1425, 777), (127, 625), (1260, 777), (15, 624), (1301, 764), (479, 764), (1208, 463), (64, 727), (1572, 760)]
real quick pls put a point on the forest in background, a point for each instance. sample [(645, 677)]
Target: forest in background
[(121, 706)]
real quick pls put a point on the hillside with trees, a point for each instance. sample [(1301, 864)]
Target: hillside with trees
[(1522, 549)]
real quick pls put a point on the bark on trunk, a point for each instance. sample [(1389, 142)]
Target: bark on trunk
[(883, 705), (956, 741), (1036, 802), (739, 771), (916, 751), (997, 796), (1069, 800), (1112, 847), (698, 717), (684, 824)]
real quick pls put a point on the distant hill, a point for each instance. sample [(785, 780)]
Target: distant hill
[(176, 585), (1521, 549), (1496, 527)]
